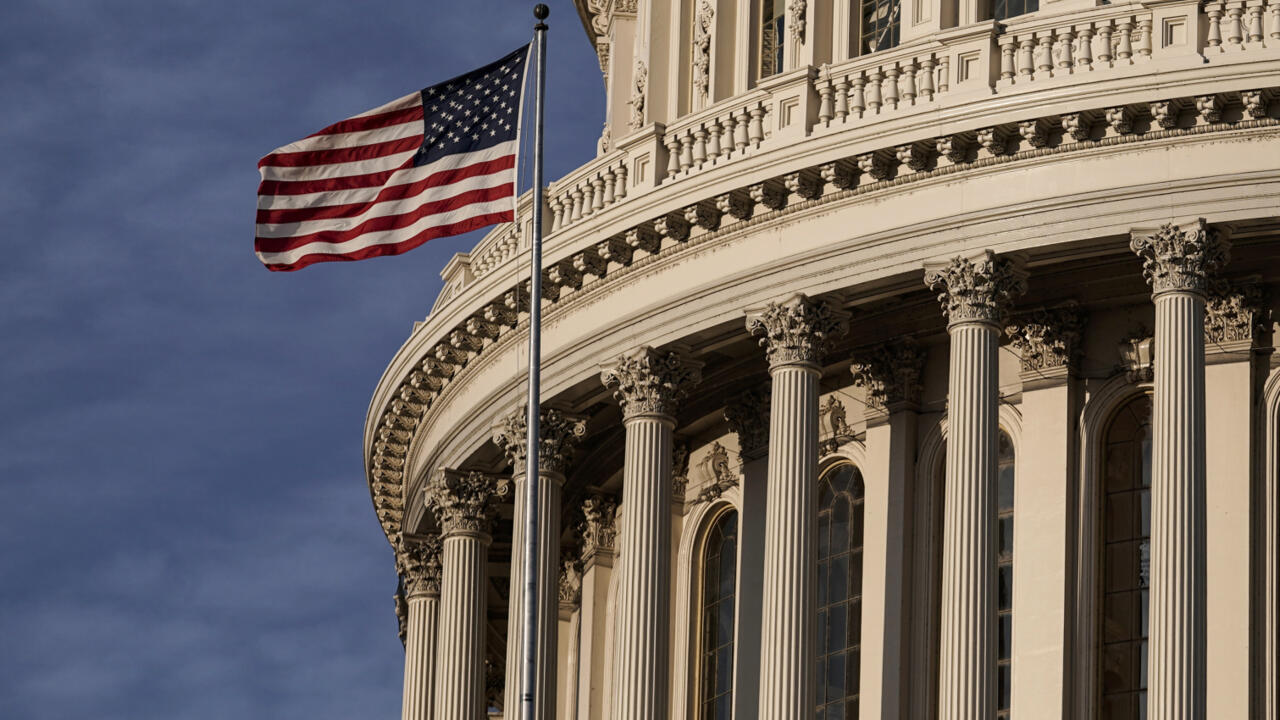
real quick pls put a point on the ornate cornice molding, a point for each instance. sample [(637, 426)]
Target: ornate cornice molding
[(599, 528), (422, 567), (977, 289), (1048, 339), (747, 414), (1233, 314), (1181, 259), (559, 433), (890, 373), (651, 382), (797, 331), (465, 503), (719, 474)]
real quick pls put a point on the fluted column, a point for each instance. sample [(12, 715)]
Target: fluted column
[(796, 334), (465, 505), (647, 384), (975, 293), (422, 589), (1177, 263), (559, 433)]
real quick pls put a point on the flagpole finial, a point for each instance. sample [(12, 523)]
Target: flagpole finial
[(541, 12)]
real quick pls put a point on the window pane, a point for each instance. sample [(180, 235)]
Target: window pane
[(840, 526), (835, 680), (838, 580), (835, 634)]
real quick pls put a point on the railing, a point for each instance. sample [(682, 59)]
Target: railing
[(724, 131), (1228, 21), (851, 91), (1046, 49), (588, 190)]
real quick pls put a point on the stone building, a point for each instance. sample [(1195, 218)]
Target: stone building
[(902, 360)]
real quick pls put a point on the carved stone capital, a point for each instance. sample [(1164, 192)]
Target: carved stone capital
[(599, 529), (748, 417), (1180, 259), (977, 289), (1233, 314), (651, 382), (570, 581), (1048, 339), (465, 503), (559, 433), (798, 330), (890, 373), (720, 476), (421, 566)]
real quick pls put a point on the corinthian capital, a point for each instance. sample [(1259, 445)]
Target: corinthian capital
[(599, 528), (558, 436), (421, 566), (748, 417), (889, 372), (1180, 259), (465, 503), (799, 330), (1233, 314), (977, 289), (649, 382), (1047, 339)]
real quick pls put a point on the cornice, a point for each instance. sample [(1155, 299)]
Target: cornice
[(393, 423)]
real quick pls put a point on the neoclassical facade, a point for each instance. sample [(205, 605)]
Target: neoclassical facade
[(902, 359)]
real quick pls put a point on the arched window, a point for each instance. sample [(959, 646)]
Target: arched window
[(840, 495), (1125, 562), (719, 592), (1004, 659), (773, 25)]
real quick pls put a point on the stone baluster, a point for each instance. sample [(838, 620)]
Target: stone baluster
[(1026, 57), (1177, 263), (874, 79), (925, 79), (559, 434), (610, 186), (1255, 23), (713, 139), (755, 133), (1144, 42), (1066, 45), (796, 335), (648, 384), (621, 173), (422, 590), (597, 194), (575, 214), (465, 504), (842, 97), (826, 103), (557, 213), (975, 294), (686, 151), (673, 155), (1235, 29), (1104, 43), (858, 97), (741, 131), (1084, 57), (889, 86), (1124, 48), (1007, 48), (1273, 9), (1214, 38), (1044, 54)]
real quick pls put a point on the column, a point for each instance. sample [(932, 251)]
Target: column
[(974, 292), (1176, 263), (1048, 341), (465, 505), (568, 640), (559, 433), (422, 590), (648, 385), (598, 533), (796, 334), (890, 374)]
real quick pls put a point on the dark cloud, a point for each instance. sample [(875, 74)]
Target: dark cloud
[(185, 524)]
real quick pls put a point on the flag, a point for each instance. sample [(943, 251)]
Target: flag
[(438, 162)]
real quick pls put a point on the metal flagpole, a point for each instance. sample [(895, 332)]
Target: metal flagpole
[(532, 445)]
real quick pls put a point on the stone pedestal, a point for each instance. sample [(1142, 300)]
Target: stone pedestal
[(422, 590)]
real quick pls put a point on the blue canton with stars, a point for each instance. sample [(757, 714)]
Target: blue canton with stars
[(474, 111)]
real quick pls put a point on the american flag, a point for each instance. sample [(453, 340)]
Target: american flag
[(438, 162)]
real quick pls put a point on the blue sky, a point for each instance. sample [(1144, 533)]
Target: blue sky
[(185, 529)]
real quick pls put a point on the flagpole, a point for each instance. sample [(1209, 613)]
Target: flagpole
[(532, 445)]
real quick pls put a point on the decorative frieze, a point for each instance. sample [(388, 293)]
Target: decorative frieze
[(977, 289), (422, 566), (1233, 314), (651, 382), (1180, 259), (599, 530), (799, 330), (559, 434), (720, 476), (464, 502), (1047, 339), (748, 417), (890, 373)]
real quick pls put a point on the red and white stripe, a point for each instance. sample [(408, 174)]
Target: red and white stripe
[(351, 192)]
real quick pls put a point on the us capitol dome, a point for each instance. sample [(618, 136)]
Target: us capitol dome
[(902, 359)]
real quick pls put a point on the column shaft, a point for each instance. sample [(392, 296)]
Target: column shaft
[(966, 675), (788, 642), (1176, 675), (420, 657), (548, 544), (641, 674), (459, 687)]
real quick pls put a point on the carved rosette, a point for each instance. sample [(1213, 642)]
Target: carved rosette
[(422, 566), (720, 476), (1233, 315), (650, 382), (570, 581), (1048, 339), (833, 424), (599, 529), (1181, 259), (798, 331), (890, 373), (977, 289), (465, 503), (559, 433), (748, 417)]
